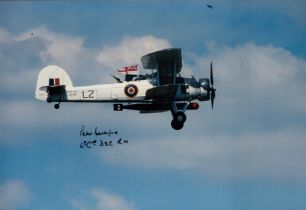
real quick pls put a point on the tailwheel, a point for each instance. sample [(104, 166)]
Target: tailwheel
[(56, 106), (177, 125)]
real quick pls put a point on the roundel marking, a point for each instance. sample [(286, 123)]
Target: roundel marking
[(131, 90)]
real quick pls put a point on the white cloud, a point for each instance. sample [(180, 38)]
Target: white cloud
[(102, 200), (35, 115), (63, 50), (130, 50), (4, 35), (250, 65), (14, 195), (111, 201), (60, 48), (43, 47), (84, 65), (254, 130), (275, 155), (255, 77), (260, 96)]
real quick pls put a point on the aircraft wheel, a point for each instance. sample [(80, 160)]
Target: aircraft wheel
[(176, 125), (56, 106), (180, 117)]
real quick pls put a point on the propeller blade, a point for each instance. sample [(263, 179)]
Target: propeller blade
[(212, 97), (212, 89), (211, 75)]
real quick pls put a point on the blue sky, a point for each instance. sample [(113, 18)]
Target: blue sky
[(248, 153)]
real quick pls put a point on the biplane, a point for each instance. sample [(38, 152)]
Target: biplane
[(162, 89)]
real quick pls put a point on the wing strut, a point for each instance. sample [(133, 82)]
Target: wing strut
[(174, 72), (157, 78)]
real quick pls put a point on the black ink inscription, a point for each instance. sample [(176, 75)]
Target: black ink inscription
[(88, 144), (107, 138), (102, 143), (106, 143), (97, 132), (106, 132), (84, 132), (121, 141)]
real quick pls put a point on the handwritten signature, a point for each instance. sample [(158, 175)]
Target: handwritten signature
[(96, 132), (84, 133)]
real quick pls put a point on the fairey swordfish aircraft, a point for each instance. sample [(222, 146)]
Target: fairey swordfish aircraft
[(162, 90)]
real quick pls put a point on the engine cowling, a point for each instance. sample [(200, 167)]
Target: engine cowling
[(205, 87)]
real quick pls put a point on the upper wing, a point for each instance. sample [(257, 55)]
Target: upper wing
[(168, 63)]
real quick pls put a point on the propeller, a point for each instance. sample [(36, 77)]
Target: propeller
[(212, 90)]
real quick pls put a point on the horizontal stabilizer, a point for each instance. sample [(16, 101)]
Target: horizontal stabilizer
[(53, 89)]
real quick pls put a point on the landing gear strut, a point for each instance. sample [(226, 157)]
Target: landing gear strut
[(179, 117)]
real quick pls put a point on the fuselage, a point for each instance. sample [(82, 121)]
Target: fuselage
[(132, 91), (110, 92)]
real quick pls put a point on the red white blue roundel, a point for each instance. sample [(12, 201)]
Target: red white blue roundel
[(131, 90)]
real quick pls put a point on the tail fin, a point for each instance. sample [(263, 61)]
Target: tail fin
[(51, 76)]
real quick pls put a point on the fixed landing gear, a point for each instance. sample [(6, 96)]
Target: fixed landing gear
[(179, 116), (176, 125), (57, 106), (178, 121)]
